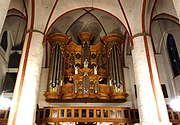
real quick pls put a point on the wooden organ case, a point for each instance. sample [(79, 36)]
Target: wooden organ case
[(86, 72)]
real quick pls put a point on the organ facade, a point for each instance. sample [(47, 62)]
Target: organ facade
[(86, 70)]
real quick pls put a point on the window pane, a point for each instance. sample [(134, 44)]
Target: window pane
[(14, 60), (54, 113), (164, 91), (83, 112), (61, 113), (9, 82), (126, 115), (105, 112), (91, 113), (132, 115), (69, 112), (47, 113), (135, 90), (173, 55), (41, 114), (119, 114), (76, 112), (112, 114), (98, 113)]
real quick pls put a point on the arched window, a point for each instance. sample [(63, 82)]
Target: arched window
[(173, 55), (4, 42)]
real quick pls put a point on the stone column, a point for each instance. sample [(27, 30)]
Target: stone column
[(146, 101), (151, 103), (156, 84), (3, 11), (26, 93)]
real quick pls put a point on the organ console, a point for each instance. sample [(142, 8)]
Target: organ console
[(83, 70)]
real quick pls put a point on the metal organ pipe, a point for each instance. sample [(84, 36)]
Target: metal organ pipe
[(86, 52), (57, 67), (110, 70), (96, 87), (76, 86), (72, 60), (61, 65), (100, 60), (52, 66), (113, 43), (58, 43), (110, 67), (117, 67), (114, 66)]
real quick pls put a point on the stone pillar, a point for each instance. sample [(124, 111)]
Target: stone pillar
[(3, 11), (25, 96), (151, 103), (146, 101), (156, 84)]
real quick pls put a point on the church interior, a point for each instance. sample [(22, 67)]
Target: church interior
[(89, 62)]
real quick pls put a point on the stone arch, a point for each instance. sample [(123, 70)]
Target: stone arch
[(89, 9)]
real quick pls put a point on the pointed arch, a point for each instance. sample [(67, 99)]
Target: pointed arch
[(173, 55)]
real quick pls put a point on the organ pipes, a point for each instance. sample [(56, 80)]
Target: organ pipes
[(100, 76), (56, 68), (51, 65), (61, 67), (115, 66), (110, 66), (86, 51), (119, 65)]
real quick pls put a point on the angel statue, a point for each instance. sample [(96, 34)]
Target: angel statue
[(86, 63), (76, 69), (95, 70)]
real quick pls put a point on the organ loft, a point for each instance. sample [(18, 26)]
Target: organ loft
[(84, 70)]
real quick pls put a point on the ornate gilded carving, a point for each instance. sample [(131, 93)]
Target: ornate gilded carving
[(87, 72)]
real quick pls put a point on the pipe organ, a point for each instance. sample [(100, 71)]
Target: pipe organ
[(86, 71)]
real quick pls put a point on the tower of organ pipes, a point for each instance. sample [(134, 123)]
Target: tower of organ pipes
[(85, 70), (56, 72), (86, 40), (114, 44)]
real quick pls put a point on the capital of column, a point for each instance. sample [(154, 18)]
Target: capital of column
[(140, 34), (137, 35)]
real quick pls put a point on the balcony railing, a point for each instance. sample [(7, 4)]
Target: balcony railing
[(115, 115), (4, 116), (86, 114)]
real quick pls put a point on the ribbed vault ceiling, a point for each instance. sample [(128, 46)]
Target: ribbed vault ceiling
[(95, 21), (160, 17)]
